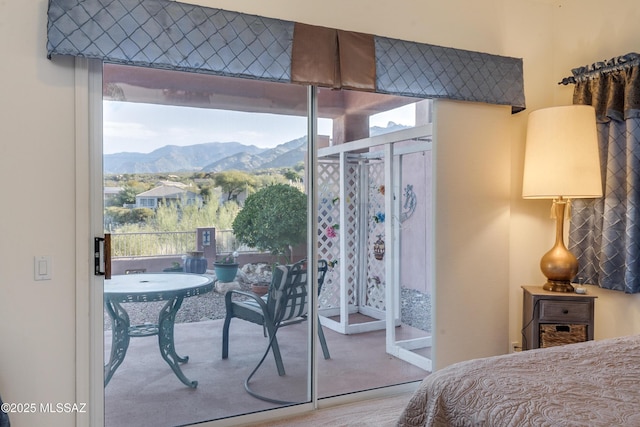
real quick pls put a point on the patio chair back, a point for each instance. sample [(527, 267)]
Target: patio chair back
[(288, 296), (286, 302)]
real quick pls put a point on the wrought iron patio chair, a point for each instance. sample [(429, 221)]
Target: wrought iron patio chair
[(285, 303)]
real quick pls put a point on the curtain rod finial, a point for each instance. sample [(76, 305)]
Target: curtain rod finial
[(567, 81)]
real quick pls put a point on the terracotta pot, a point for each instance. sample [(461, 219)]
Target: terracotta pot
[(260, 288)]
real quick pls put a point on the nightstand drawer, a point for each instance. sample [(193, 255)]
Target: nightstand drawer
[(564, 311)]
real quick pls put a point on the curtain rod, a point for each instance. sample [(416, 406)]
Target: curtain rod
[(617, 63)]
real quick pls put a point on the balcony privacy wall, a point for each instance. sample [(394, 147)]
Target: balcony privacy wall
[(171, 35)]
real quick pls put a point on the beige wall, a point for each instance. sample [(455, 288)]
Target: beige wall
[(37, 166), (471, 229)]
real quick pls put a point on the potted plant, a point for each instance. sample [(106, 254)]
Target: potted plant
[(226, 267), (273, 219), (175, 268)]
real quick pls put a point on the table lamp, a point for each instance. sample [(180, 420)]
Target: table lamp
[(561, 163)]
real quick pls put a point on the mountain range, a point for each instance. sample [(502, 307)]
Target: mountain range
[(216, 156)]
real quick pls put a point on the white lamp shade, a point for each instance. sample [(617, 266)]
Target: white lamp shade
[(561, 154)]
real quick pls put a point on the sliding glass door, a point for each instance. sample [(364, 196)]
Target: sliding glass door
[(321, 196), (197, 169)]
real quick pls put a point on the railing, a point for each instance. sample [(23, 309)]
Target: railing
[(152, 244), (226, 243), (167, 243)]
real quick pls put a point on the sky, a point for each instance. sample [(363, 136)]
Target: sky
[(142, 128)]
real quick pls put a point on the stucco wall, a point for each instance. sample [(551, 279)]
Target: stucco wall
[(38, 166)]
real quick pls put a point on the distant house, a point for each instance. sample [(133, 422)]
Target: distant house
[(172, 183), (167, 194), (111, 193)]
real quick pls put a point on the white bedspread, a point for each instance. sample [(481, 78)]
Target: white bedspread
[(595, 383)]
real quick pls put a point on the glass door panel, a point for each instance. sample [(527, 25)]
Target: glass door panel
[(376, 289), (186, 156)]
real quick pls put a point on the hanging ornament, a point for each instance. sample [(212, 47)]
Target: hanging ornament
[(409, 205), (378, 248)]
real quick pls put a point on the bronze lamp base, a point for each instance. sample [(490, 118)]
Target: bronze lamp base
[(558, 286), (559, 265)]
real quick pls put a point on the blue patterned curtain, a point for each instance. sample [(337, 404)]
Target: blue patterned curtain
[(605, 233)]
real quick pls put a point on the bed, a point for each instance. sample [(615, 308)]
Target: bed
[(594, 383)]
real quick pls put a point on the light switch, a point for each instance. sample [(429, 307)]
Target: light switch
[(42, 267)]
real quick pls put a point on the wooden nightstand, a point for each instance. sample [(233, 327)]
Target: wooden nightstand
[(555, 318)]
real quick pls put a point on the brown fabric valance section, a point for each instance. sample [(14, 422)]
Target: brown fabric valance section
[(612, 87), (357, 60), (334, 58), (314, 55)]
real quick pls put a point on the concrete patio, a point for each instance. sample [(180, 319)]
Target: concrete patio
[(145, 392)]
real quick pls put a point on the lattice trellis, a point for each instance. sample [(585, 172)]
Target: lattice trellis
[(369, 207), (375, 293), (371, 293), (328, 243)]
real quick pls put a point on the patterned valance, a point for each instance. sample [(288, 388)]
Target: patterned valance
[(427, 71), (173, 35)]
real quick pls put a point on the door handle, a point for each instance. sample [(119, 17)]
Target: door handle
[(102, 256)]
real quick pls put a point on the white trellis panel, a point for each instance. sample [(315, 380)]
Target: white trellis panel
[(375, 269), (358, 224), (329, 215), (359, 205)]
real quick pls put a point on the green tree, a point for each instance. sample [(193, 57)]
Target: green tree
[(271, 178), (120, 216), (273, 219), (234, 182), (207, 193), (226, 214), (142, 215), (128, 193), (292, 175)]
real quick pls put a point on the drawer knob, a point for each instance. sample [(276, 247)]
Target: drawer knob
[(565, 311)]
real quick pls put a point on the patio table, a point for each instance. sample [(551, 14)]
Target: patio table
[(143, 288)]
